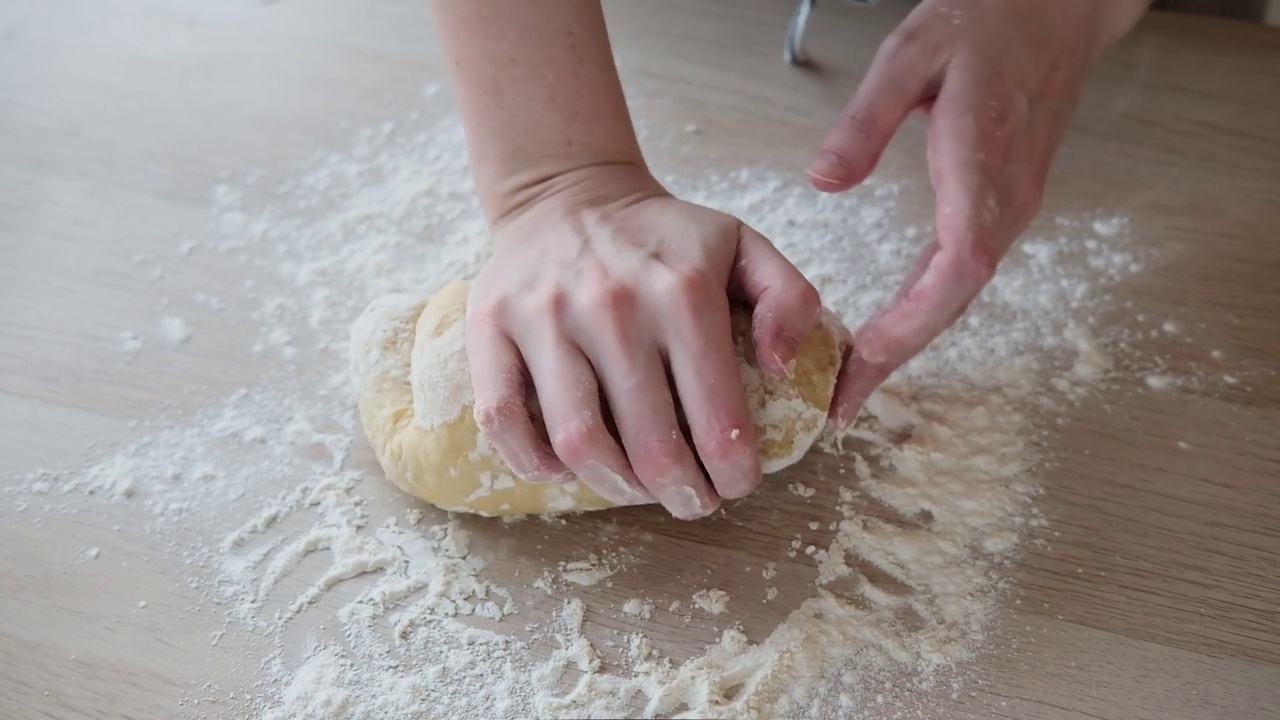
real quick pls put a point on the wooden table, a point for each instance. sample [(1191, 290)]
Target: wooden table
[(116, 118)]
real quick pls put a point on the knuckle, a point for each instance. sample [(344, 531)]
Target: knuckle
[(980, 261), (903, 45), (806, 298), (863, 125), (493, 416), (553, 302), (616, 298), (690, 288), (575, 442), (487, 310), (662, 458)]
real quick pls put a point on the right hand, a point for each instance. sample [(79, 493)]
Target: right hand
[(604, 286)]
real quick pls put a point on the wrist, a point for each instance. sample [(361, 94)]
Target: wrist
[(601, 186)]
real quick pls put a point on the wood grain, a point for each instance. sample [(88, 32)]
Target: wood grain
[(1154, 594)]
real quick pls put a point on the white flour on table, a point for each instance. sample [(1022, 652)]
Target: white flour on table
[(932, 499)]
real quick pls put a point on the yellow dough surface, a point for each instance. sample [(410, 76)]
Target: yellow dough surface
[(409, 370)]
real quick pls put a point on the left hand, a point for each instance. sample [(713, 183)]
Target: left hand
[(998, 81)]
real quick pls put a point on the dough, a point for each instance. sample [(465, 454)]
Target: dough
[(409, 369)]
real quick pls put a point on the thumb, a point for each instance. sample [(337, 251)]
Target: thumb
[(785, 305), (899, 78)]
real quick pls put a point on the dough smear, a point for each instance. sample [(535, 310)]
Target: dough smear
[(409, 370)]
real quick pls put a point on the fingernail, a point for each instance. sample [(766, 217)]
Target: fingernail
[(616, 488), (542, 477), (827, 168), (685, 503), (788, 346), (842, 416), (744, 471), (522, 465), (531, 468), (869, 350)]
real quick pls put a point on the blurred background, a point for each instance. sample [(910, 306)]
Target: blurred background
[(1254, 10)]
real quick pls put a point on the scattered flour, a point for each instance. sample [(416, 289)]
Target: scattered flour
[(1110, 227), (712, 601), (130, 342), (174, 331), (940, 496), (801, 489), (591, 571), (636, 607)]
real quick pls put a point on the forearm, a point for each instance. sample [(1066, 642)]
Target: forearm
[(538, 93)]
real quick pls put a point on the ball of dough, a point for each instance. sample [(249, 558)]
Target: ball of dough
[(409, 369)]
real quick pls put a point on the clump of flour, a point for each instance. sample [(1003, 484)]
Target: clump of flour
[(174, 331), (937, 498), (713, 601)]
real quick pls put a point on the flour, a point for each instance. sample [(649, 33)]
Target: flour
[(174, 331), (438, 397), (713, 601), (902, 592), (636, 607), (130, 342), (591, 571), (801, 490)]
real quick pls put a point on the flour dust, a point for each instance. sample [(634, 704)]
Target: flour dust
[(926, 502)]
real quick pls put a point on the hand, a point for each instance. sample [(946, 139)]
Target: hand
[(606, 286), (998, 81)]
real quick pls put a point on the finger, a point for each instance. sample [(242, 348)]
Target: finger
[(570, 400), (636, 387), (971, 130), (966, 157), (659, 454), (785, 305), (857, 380), (708, 380), (902, 75), (859, 377), (501, 409), (1031, 155)]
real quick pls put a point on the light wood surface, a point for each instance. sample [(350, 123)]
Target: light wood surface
[(1156, 593)]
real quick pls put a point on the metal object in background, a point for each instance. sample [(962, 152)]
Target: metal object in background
[(794, 52)]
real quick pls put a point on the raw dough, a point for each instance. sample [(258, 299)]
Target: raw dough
[(409, 369)]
